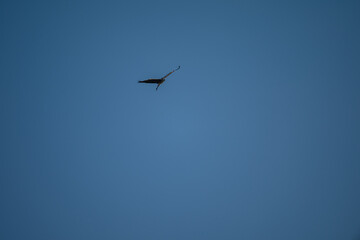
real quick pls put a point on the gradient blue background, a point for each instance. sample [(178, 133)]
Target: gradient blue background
[(257, 136)]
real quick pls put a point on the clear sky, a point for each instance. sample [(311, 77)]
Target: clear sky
[(257, 136)]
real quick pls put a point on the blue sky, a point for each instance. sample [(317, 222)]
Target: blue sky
[(257, 136)]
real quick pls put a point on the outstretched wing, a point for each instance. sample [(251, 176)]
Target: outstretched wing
[(152, 80), (171, 72)]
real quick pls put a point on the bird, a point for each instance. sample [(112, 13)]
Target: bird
[(159, 81)]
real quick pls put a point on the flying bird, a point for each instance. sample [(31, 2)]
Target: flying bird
[(158, 81)]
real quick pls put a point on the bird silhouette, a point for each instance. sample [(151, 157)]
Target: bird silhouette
[(159, 81)]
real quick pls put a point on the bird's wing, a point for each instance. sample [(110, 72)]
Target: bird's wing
[(171, 72), (151, 80)]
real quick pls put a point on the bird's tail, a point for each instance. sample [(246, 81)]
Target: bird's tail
[(140, 81)]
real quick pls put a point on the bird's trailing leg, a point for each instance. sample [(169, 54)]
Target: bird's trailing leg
[(158, 86)]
